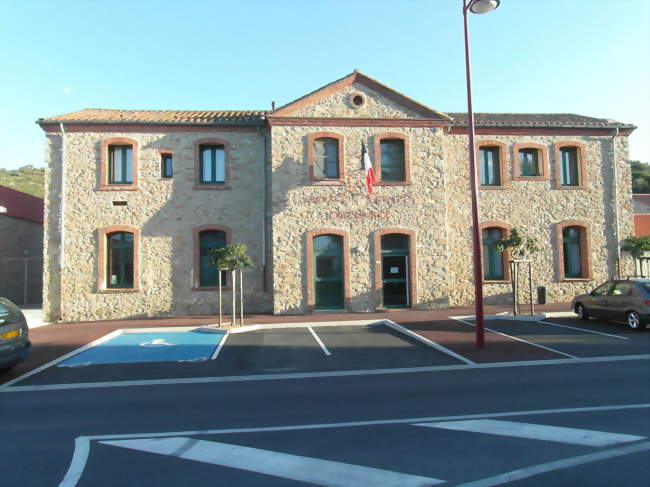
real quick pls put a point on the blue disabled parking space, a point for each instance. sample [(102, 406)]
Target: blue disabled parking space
[(182, 346)]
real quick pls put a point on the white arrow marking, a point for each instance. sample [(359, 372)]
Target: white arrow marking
[(536, 432), (157, 342), (305, 469)]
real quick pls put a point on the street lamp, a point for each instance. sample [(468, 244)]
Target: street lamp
[(476, 7)]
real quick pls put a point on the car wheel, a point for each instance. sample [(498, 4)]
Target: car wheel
[(634, 321), (581, 311)]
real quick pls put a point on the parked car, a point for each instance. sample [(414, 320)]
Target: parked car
[(625, 301), (14, 334)]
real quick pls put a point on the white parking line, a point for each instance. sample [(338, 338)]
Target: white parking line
[(583, 329), (220, 346), (518, 339), (284, 465), (317, 338)]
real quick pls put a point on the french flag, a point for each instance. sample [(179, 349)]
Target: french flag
[(367, 166)]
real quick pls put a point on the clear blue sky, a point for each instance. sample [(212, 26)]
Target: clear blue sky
[(590, 57)]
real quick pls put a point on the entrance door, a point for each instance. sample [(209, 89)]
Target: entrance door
[(328, 272), (395, 271)]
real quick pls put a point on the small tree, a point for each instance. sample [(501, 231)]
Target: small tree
[(638, 248), (231, 258), (521, 250)]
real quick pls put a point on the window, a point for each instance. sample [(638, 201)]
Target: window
[(120, 164), (493, 268), (166, 166), (120, 260), (326, 158), (572, 252), (213, 164), (569, 166), (529, 163), (210, 240), (490, 166), (603, 289), (392, 161), (328, 272)]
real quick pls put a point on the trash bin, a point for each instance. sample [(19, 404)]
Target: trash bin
[(541, 295)]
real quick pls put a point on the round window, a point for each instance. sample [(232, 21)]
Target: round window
[(357, 100)]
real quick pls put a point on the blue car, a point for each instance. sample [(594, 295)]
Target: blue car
[(14, 335)]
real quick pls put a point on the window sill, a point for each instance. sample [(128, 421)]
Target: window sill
[(118, 187), (117, 290), (165, 179), (570, 188), (502, 187), (393, 183), (530, 178), (211, 288), (497, 281), (211, 186), (327, 182), (575, 279)]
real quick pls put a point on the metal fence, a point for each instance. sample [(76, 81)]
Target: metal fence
[(21, 279)]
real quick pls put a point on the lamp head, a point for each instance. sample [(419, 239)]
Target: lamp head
[(483, 6)]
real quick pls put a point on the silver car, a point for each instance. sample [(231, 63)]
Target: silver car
[(625, 301), (14, 334)]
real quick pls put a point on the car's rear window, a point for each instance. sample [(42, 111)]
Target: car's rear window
[(8, 312), (646, 287)]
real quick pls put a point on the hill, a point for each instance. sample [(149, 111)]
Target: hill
[(28, 179)]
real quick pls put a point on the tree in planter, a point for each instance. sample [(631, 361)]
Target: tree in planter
[(637, 247), (521, 250), (231, 258)]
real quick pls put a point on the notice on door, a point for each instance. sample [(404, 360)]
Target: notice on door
[(394, 270)]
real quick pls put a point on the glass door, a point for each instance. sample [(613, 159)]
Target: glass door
[(328, 272)]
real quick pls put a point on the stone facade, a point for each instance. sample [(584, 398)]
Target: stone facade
[(272, 205)]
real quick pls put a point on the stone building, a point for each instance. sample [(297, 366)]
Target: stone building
[(137, 198)]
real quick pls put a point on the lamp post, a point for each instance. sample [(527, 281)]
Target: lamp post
[(476, 7)]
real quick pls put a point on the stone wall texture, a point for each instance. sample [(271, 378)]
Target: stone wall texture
[(273, 164)]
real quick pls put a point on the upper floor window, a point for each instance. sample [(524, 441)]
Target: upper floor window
[(529, 163), (569, 168), (120, 260), (490, 166), (120, 164), (393, 169), (212, 164), (166, 165), (326, 158)]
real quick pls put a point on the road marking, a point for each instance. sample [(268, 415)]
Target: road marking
[(78, 463), (524, 473), (536, 432), (284, 465), (428, 342), (220, 346), (518, 339), (318, 340), (315, 375), (583, 329)]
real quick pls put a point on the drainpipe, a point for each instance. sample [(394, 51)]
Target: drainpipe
[(264, 208), (62, 221), (616, 228)]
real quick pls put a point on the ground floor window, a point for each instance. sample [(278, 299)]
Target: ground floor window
[(120, 260), (572, 252), (493, 269), (210, 240)]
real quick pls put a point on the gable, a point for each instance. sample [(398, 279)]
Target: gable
[(357, 96)]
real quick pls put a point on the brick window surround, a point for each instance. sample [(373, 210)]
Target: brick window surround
[(542, 161), (311, 158), (166, 152), (104, 161), (505, 233), (503, 163), (309, 263), (196, 258), (102, 258), (557, 166), (197, 162), (407, 159), (585, 249), (413, 280)]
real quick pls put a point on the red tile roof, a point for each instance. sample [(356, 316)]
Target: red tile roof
[(21, 205)]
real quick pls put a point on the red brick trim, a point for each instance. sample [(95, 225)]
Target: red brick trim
[(354, 122), (197, 162), (407, 158), (147, 128), (413, 278), (196, 255), (102, 257), (505, 256), (310, 158), (537, 131), (585, 249), (542, 160), (103, 164), (503, 162), (557, 166), (309, 261), (166, 152)]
